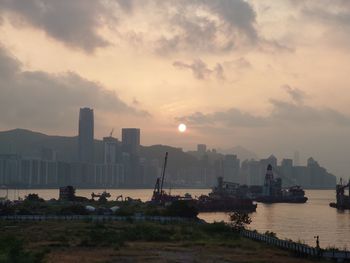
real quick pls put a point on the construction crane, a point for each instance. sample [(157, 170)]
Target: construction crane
[(158, 193), (111, 133)]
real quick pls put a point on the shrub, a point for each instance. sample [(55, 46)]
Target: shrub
[(182, 209), (73, 210), (270, 234), (12, 250), (239, 220)]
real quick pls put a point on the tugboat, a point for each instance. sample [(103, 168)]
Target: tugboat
[(226, 197), (343, 200), (273, 192)]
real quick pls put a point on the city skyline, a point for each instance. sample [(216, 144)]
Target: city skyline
[(125, 164), (223, 68)]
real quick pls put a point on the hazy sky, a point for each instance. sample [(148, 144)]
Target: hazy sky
[(272, 76)]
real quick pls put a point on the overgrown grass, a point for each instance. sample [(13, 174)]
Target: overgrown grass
[(12, 251), (33, 240)]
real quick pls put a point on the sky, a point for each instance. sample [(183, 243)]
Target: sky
[(271, 76)]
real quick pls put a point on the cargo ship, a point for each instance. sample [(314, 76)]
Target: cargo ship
[(343, 200), (226, 197), (272, 191)]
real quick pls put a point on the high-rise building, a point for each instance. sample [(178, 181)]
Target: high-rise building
[(131, 140), (231, 165), (86, 135), (110, 149), (296, 158), (201, 148)]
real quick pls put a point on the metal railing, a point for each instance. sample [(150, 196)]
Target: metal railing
[(301, 249)]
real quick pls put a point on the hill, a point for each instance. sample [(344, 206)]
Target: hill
[(30, 143)]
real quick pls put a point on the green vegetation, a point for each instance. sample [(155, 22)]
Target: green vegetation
[(111, 241), (239, 220), (34, 205), (12, 251), (270, 234)]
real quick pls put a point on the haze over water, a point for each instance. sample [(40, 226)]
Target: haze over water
[(291, 221)]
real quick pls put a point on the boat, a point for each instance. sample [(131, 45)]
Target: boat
[(226, 197), (272, 191), (343, 200)]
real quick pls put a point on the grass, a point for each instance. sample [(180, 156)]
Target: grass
[(131, 242)]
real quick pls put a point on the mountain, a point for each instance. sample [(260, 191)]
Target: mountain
[(30, 143)]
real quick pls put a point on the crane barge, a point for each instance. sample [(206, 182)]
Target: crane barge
[(159, 195), (343, 200)]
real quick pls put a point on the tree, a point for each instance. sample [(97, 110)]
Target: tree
[(34, 198), (181, 208), (239, 220)]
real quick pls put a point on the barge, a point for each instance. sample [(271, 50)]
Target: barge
[(272, 191), (226, 197), (343, 200)]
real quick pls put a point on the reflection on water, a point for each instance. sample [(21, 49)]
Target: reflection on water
[(293, 221), (301, 222)]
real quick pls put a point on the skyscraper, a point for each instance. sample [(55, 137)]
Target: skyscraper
[(110, 145), (130, 147), (86, 135), (201, 148), (131, 140)]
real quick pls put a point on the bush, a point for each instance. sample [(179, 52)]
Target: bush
[(12, 250), (33, 198), (73, 210), (125, 211), (216, 228), (270, 234), (181, 208), (239, 220)]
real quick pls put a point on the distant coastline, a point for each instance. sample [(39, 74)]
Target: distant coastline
[(126, 188)]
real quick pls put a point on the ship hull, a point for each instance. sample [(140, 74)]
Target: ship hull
[(340, 207), (270, 200), (226, 206)]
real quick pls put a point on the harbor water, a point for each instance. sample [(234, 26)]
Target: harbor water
[(299, 222)]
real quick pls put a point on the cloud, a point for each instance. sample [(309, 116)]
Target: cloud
[(296, 94), (231, 118), (332, 17), (75, 23), (39, 99), (240, 63), (201, 70), (163, 26), (295, 114), (207, 26)]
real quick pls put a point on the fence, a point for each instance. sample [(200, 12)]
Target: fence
[(100, 218), (300, 249)]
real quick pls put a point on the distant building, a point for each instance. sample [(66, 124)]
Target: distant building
[(231, 166), (202, 148), (48, 154), (131, 140), (110, 146), (86, 135), (296, 158)]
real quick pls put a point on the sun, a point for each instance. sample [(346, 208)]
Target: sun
[(182, 127)]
